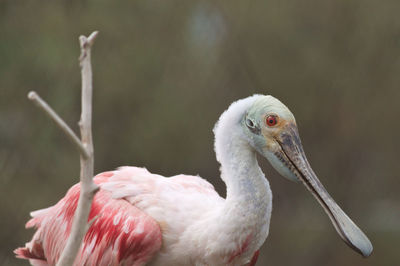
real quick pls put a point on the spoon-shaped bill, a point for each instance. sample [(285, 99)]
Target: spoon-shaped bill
[(292, 152)]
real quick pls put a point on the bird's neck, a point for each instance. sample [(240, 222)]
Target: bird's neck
[(246, 213), (245, 182), (248, 191)]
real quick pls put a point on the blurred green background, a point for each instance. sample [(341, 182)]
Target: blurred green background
[(163, 73)]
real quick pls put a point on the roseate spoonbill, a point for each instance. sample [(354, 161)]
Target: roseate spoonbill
[(145, 218)]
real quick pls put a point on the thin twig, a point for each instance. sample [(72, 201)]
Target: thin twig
[(38, 101), (88, 187)]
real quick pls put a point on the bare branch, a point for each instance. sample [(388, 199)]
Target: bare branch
[(88, 187), (38, 101)]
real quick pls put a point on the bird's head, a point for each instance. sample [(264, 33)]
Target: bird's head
[(271, 130)]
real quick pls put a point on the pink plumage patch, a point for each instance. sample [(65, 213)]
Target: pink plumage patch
[(243, 248), (120, 234), (254, 259), (35, 252)]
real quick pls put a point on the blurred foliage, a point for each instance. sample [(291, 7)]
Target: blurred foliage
[(163, 73)]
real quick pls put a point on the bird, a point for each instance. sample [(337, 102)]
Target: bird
[(141, 218)]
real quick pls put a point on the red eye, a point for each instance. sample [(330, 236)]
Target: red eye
[(271, 120)]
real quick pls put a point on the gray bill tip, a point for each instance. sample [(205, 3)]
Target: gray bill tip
[(361, 244), (367, 250), (351, 233)]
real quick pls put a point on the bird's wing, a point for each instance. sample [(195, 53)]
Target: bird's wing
[(121, 233), (158, 195), (132, 182), (174, 202)]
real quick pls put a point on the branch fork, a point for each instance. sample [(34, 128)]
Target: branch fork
[(85, 147)]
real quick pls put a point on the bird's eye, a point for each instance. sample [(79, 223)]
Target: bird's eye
[(271, 120)]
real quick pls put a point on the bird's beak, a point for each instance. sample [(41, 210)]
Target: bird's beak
[(291, 152)]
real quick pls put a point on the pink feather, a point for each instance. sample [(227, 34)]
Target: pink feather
[(120, 234)]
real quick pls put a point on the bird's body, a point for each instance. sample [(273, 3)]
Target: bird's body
[(140, 218), (137, 220)]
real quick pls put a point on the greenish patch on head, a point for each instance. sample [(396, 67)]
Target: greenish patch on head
[(265, 105), (266, 118)]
